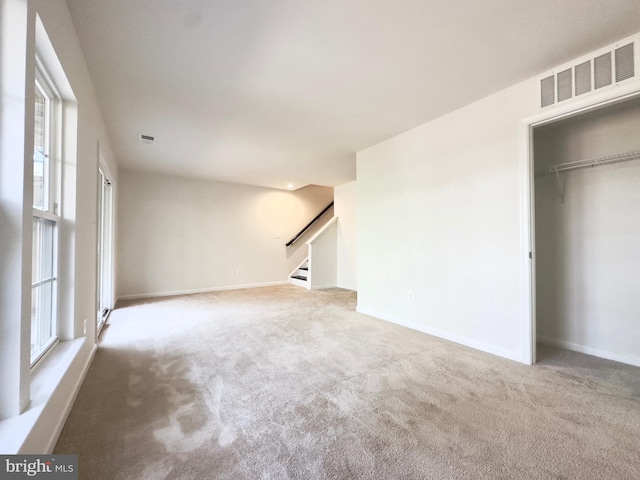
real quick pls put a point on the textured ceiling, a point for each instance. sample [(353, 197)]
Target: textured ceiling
[(268, 92)]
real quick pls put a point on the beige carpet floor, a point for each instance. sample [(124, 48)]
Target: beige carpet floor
[(283, 383)]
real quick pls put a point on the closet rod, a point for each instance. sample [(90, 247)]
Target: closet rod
[(622, 157)]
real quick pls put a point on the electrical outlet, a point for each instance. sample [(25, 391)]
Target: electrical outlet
[(410, 295), (238, 271)]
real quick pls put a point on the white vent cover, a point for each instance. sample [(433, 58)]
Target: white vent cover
[(604, 68)]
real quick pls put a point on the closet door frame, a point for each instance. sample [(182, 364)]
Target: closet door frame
[(527, 126)]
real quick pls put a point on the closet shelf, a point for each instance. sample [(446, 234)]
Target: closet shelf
[(592, 162), (621, 157)]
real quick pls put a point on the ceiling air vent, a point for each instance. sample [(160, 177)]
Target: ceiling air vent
[(604, 68), (148, 139)]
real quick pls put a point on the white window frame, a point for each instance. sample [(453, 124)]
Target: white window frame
[(50, 211)]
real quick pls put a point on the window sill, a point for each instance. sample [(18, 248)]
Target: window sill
[(44, 381)]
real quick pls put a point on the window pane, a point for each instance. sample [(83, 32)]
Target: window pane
[(42, 252), (43, 316), (40, 153), (42, 319)]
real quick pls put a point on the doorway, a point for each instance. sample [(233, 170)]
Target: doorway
[(585, 232), (105, 249)]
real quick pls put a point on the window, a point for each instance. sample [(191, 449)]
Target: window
[(44, 331)]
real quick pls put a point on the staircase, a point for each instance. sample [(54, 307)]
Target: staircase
[(300, 276), (318, 270)]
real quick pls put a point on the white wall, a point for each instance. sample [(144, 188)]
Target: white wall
[(323, 259), (588, 248), (439, 215), (347, 258), (184, 235), (50, 389)]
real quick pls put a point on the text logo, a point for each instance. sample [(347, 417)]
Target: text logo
[(52, 467)]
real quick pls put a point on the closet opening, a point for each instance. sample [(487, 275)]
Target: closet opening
[(585, 232)]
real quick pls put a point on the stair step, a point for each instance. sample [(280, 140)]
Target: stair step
[(299, 277)]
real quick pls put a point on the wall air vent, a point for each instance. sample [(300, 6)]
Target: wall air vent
[(601, 69), (148, 139)]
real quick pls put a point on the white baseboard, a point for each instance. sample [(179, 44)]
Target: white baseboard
[(468, 342), (136, 296), (55, 434), (321, 287), (596, 352), (299, 283)]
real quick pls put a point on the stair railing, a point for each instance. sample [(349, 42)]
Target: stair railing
[(299, 234)]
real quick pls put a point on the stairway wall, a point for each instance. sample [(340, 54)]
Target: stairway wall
[(345, 197), (323, 258)]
